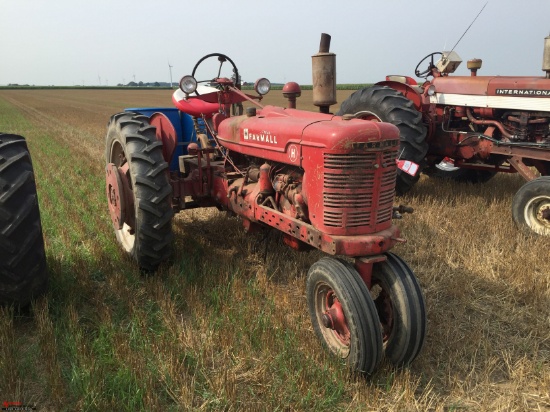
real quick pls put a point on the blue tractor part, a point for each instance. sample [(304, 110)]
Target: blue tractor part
[(183, 125)]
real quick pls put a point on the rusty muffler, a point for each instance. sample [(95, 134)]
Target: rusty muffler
[(546, 57), (324, 76)]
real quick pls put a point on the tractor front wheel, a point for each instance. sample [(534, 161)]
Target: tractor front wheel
[(343, 314), (531, 206), (401, 309), (138, 190), (384, 104), (23, 270)]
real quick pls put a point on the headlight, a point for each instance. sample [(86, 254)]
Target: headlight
[(431, 90), (262, 86), (188, 84)]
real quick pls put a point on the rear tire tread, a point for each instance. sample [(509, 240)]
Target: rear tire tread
[(23, 270)]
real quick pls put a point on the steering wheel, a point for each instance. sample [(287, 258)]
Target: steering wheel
[(222, 58), (428, 71)]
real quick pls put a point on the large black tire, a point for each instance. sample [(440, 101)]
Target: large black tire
[(23, 270), (401, 309), (353, 332), (382, 103), (531, 207), (131, 145)]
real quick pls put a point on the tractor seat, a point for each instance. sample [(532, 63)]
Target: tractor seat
[(195, 106)]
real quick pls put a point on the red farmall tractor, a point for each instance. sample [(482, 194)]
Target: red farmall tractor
[(324, 181), (468, 128)]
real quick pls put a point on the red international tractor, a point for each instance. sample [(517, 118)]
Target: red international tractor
[(468, 128), (324, 181)]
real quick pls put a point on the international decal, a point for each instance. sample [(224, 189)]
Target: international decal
[(523, 92)]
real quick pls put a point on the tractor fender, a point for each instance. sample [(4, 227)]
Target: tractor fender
[(411, 92)]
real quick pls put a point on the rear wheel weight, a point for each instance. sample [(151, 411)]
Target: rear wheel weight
[(343, 314), (133, 149), (382, 103), (531, 207), (23, 270)]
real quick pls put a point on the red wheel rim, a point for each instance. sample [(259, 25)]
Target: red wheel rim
[(335, 319)]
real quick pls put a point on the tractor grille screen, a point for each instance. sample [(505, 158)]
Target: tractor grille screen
[(359, 189)]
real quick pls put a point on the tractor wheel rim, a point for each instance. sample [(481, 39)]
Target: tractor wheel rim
[(116, 197), (332, 321), (537, 214)]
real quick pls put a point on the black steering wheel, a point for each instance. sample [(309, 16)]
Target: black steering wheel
[(222, 58), (428, 71)]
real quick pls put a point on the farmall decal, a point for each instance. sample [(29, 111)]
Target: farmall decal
[(523, 92), (262, 137)]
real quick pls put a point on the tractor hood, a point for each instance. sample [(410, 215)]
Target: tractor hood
[(521, 93), (281, 134)]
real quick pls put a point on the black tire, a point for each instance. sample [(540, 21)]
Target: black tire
[(385, 104), (355, 332), (401, 309), (531, 207), (146, 234), (23, 270)]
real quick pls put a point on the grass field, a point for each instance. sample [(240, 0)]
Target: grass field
[(226, 326)]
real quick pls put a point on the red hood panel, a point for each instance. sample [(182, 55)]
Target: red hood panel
[(279, 134)]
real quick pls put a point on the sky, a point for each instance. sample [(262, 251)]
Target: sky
[(107, 42)]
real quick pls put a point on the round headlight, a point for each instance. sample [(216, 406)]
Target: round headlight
[(188, 84), (262, 86), (431, 90)]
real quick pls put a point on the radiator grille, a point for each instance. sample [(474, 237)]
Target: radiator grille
[(358, 189)]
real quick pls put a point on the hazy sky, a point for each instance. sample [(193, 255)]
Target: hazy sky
[(68, 42)]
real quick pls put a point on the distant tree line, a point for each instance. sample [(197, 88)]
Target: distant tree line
[(149, 84)]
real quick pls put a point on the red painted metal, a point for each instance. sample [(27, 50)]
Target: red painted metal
[(409, 90), (119, 195), (335, 319), (364, 266), (165, 133), (324, 181), (484, 121), (115, 196), (291, 91)]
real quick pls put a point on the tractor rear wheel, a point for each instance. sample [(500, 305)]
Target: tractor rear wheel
[(531, 206), (23, 270), (138, 190), (343, 314), (401, 309), (384, 104)]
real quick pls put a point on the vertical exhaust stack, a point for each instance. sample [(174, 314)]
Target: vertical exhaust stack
[(324, 76), (546, 57)]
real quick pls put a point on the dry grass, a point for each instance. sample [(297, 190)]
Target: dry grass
[(225, 327)]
